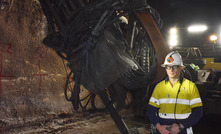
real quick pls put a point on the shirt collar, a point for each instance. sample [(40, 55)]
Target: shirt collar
[(180, 79)]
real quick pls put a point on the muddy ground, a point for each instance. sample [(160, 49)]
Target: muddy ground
[(100, 122), (82, 123)]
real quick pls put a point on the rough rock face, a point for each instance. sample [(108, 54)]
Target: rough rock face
[(32, 76)]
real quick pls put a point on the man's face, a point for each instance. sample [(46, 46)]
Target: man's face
[(173, 71)]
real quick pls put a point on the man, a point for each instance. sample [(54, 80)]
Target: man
[(175, 105)]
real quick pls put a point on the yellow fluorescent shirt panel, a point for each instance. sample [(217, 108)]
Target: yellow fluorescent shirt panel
[(164, 98)]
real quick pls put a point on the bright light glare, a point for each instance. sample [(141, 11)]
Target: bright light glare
[(173, 37), (173, 31), (213, 37), (173, 43), (197, 28)]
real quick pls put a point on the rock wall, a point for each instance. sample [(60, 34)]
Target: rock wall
[(32, 76)]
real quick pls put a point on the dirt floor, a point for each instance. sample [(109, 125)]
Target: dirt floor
[(101, 122), (82, 123)]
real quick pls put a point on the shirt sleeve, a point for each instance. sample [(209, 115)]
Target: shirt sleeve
[(194, 117), (195, 100), (154, 99), (152, 114)]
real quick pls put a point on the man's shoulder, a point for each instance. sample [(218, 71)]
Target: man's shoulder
[(189, 81), (161, 83)]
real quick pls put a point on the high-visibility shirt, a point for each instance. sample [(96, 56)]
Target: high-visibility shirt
[(174, 105)]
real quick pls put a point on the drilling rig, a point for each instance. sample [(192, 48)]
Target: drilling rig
[(107, 44)]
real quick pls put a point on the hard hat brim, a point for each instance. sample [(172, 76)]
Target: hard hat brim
[(163, 65)]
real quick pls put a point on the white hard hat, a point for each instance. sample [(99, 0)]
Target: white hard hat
[(173, 58)]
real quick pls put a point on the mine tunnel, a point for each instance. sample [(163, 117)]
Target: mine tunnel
[(42, 90)]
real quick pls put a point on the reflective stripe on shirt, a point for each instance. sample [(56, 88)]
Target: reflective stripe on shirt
[(156, 101), (172, 116), (173, 101), (195, 101)]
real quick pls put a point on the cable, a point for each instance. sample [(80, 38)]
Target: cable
[(176, 103)]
